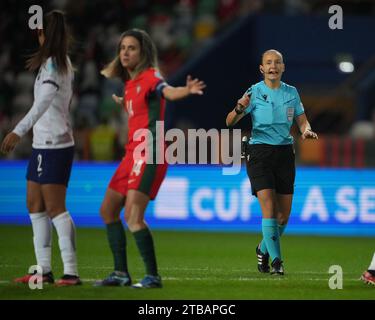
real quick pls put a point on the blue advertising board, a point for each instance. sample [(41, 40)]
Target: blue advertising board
[(192, 197)]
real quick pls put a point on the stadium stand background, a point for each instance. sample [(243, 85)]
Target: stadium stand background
[(219, 41)]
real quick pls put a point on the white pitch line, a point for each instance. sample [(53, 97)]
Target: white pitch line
[(187, 269), (210, 271), (10, 265), (218, 279), (270, 278)]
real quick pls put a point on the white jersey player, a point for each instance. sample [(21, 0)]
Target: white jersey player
[(49, 116), (52, 155)]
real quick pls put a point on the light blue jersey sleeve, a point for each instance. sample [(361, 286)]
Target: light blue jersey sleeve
[(250, 105), (299, 109)]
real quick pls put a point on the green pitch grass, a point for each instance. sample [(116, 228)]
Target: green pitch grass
[(196, 266)]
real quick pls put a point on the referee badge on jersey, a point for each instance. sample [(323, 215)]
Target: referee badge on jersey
[(290, 113)]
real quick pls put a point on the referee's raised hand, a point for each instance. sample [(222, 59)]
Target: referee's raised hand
[(243, 102)]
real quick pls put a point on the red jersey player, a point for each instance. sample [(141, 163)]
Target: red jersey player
[(145, 104), (137, 181)]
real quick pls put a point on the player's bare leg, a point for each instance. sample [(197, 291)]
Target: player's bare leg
[(112, 205), (284, 207), (136, 204)]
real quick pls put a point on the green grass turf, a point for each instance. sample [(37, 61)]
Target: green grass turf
[(196, 265)]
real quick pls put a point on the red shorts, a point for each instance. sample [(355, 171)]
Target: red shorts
[(138, 175)]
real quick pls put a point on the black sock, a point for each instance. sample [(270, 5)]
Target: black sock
[(117, 242), (145, 244), (372, 272)]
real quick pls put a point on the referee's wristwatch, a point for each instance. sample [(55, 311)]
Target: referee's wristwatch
[(239, 109)]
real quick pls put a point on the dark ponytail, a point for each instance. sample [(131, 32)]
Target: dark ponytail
[(56, 43)]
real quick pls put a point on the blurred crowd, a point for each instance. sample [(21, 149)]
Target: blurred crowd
[(180, 28)]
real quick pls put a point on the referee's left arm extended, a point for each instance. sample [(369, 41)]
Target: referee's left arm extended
[(305, 128)]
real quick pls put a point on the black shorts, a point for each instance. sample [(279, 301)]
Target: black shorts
[(50, 166), (271, 167)]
